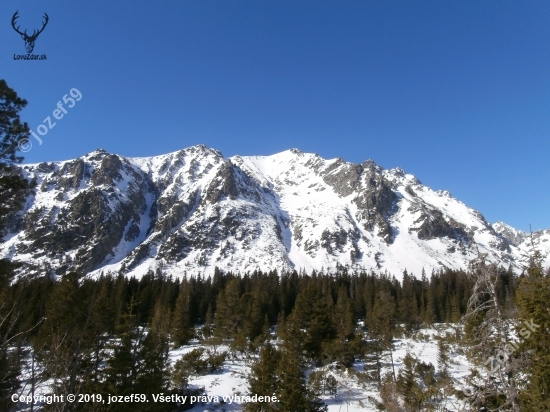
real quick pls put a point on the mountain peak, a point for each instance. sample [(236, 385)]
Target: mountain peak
[(195, 210), (96, 152), (510, 234)]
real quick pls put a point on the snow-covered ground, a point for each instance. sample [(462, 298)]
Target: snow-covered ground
[(352, 395)]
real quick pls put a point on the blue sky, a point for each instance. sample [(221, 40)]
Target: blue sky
[(457, 93)]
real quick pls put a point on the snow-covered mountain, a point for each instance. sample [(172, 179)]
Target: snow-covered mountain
[(525, 242), (192, 210)]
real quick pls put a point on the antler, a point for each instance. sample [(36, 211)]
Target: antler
[(43, 27), (15, 16), (35, 33)]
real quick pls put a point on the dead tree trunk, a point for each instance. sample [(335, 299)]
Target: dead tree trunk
[(491, 339)]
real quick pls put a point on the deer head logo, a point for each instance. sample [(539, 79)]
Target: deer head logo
[(29, 40)]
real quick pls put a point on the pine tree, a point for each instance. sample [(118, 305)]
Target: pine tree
[(153, 376), (256, 319), (489, 333), (14, 189), (229, 311), (389, 395), (380, 330), (162, 318), (443, 386), (344, 350), (430, 315), (121, 372), (407, 386), (11, 344), (408, 309), (533, 300), (139, 363), (182, 328), (208, 328), (13, 186), (100, 323), (455, 310), (443, 358), (263, 379), (312, 316), (293, 393), (418, 387), (70, 337)]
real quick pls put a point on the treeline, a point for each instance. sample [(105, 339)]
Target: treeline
[(255, 298), (112, 334)]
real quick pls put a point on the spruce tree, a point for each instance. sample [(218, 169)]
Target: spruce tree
[(408, 308), (533, 300), (389, 395), (407, 386), (71, 336), (122, 368), (229, 312), (139, 363), (293, 393), (208, 327), (162, 314), (256, 320), (182, 327), (312, 315), (153, 376), (263, 379), (344, 345), (380, 330)]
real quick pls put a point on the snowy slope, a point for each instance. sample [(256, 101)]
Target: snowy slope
[(352, 395), (192, 210)]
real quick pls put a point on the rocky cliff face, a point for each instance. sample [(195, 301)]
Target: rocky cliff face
[(523, 243), (192, 210)]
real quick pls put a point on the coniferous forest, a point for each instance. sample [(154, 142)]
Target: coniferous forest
[(111, 335)]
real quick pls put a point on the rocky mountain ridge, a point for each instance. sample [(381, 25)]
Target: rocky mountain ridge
[(192, 210)]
